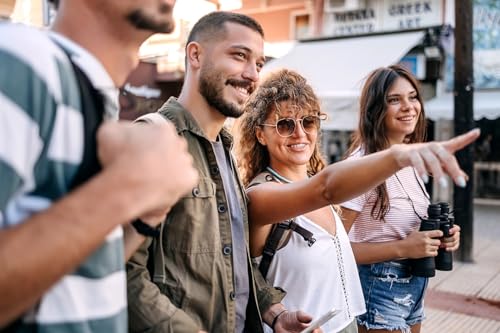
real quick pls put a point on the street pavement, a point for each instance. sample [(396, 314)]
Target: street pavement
[(467, 299)]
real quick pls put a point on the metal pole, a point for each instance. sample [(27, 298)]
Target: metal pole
[(464, 121)]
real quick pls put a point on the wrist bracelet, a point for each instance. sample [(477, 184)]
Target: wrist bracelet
[(275, 320), (145, 229)]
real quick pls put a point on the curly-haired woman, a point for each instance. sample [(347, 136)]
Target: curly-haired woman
[(279, 137)]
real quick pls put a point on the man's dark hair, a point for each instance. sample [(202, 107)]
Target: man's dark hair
[(212, 24)]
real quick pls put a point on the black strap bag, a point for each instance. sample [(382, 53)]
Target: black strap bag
[(280, 233)]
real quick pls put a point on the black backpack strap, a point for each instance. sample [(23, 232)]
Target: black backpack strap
[(93, 114), (93, 107), (279, 232), (277, 237), (271, 246), (306, 234)]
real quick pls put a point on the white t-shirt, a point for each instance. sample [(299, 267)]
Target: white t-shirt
[(320, 277)]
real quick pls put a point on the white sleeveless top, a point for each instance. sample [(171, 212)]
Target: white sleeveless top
[(319, 277)]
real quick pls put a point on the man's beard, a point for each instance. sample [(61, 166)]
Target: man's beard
[(211, 87), (141, 20)]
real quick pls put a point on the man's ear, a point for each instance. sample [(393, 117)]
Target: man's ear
[(259, 134), (193, 51)]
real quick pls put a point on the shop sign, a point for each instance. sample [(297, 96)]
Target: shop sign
[(352, 22), (383, 15), (401, 14)]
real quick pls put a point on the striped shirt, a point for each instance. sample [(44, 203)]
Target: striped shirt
[(41, 147), (403, 189)]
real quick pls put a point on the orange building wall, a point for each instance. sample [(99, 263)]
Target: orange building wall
[(261, 3), (274, 16), (276, 25)]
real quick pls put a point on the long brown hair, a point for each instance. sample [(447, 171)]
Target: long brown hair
[(371, 134), (276, 87)]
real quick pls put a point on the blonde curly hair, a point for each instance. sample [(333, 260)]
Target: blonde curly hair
[(281, 86)]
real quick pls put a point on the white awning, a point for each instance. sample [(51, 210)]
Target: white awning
[(336, 68), (486, 105), (342, 113)]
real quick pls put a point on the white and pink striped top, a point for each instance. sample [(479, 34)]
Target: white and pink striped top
[(401, 220)]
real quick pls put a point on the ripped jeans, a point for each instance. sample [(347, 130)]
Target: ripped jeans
[(394, 298)]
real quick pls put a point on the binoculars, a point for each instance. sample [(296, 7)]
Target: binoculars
[(438, 218)]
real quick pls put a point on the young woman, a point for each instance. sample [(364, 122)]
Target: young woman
[(385, 221), (279, 135)]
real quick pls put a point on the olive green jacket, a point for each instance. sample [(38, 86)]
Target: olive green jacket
[(191, 286)]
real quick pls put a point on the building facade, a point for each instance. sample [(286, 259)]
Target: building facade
[(337, 42)]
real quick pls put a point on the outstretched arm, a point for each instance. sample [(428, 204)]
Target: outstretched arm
[(347, 179)]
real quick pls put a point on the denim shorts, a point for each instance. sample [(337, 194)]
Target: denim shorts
[(394, 298)]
